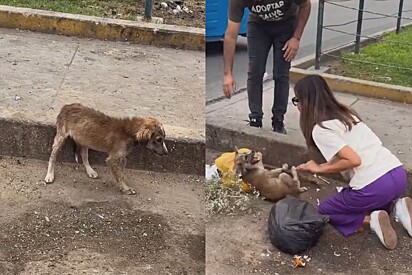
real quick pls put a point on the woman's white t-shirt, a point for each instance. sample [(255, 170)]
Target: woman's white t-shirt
[(376, 160)]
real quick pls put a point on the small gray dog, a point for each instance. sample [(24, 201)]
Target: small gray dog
[(274, 184)]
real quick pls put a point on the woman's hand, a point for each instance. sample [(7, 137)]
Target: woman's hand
[(310, 166)]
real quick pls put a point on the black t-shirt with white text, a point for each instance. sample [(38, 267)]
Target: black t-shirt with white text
[(264, 10)]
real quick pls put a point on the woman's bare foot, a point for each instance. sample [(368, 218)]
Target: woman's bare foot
[(365, 223)]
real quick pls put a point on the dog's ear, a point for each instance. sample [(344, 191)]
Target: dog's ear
[(144, 134), (236, 150)]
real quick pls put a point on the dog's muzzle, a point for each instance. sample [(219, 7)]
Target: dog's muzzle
[(161, 151)]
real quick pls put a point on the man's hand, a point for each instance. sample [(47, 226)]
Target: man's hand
[(291, 49), (229, 47), (310, 166), (229, 85)]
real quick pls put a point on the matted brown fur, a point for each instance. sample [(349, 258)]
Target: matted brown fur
[(91, 129), (274, 184)]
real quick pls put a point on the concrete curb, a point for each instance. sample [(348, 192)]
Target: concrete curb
[(277, 149), (161, 35), (359, 87), (34, 140), (353, 85)]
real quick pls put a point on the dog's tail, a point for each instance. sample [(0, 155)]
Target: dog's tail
[(76, 151)]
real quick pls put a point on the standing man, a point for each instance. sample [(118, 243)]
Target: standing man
[(277, 23)]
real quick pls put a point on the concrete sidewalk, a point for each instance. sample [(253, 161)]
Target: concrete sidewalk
[(226, 127), (39, 73)]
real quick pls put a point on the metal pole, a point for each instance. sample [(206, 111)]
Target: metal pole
[(359, 26), (398, 23), (148, 9), (321, 9)]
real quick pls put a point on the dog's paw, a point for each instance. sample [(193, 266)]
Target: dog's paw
[(92, 174), (128, 191), (49, 178), (285, 166)]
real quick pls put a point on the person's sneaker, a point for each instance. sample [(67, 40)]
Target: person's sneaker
[(279, 127), (255, 122), (381, 225), (403, 212)]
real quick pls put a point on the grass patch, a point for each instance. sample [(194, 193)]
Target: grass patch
[(389, 53), (120, 9)]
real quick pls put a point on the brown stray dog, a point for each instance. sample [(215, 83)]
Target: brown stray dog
[(274, 184), (91, 129)]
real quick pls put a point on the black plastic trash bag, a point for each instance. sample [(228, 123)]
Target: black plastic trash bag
[(295, 225)]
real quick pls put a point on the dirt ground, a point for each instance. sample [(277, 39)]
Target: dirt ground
[(78, 225), (239, 244)]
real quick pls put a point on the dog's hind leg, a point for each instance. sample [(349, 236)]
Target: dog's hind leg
[(274, 173), (57, 144), (85, 158), (76, 151), (296, 179), (116, 165)]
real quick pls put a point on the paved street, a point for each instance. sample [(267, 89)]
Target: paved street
[(333, 15)]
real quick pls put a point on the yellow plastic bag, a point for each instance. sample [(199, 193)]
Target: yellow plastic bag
[(225, 164)]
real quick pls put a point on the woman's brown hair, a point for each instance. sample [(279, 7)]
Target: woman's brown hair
[(317, 104)]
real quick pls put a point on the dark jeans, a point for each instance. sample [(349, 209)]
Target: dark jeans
[(260, 38)]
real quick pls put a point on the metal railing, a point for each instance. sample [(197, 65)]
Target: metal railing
[(148, 7), (358, 35)]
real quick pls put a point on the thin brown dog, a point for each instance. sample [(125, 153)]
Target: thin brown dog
[(274, 184), (91, 129)]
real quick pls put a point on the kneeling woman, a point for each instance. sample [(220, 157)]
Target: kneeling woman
[(376, 177)]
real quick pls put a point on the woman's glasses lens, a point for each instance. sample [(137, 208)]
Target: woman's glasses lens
[(295, 101)]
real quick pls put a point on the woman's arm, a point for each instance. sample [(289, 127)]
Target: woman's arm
[(346, 159)]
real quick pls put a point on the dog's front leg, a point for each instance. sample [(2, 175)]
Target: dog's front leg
[(57, 144), (116, 166)]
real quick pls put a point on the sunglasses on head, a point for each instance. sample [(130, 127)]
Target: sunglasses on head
[(295, 101)]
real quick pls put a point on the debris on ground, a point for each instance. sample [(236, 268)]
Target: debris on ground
[(175, 7), (225, 167), (339, 189), (227, 199), (298, 261), (301, 261), (225, 191)]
